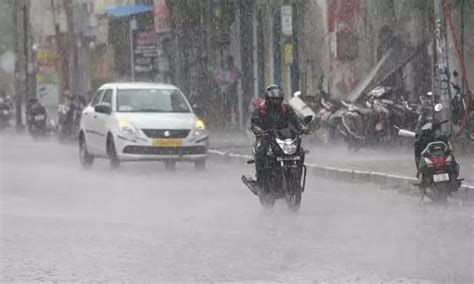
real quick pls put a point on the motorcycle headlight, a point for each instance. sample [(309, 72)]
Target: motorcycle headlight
[(288, 146), (127, 130)]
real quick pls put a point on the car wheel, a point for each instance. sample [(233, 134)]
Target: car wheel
[(112, 153), (85, 158), (200, 165), (170, 165)]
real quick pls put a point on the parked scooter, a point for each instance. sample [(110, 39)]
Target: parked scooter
[(330, 113), (36, 118), (438, 171), (5, 113), (363, 125)]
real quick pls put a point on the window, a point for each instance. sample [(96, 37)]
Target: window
[(151, 100), (96, 99), (107, 97)]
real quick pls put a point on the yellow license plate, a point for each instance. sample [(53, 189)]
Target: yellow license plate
[(167, 142)]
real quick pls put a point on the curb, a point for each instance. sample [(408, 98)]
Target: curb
[(403, 183)]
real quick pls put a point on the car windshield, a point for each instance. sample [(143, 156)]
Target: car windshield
[(151, 100)]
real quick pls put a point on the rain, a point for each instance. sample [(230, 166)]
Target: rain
[(249, 141)]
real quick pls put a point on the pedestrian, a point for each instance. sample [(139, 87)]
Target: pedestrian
[(228, 79)]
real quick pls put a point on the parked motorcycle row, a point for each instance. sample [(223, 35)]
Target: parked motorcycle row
[(39, 123), (375, 119)]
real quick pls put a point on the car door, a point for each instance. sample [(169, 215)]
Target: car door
[(100, 124), (88, 121)]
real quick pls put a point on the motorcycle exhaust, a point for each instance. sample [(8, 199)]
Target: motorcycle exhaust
[(406, 133)]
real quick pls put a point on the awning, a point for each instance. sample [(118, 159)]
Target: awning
[(130, 10)]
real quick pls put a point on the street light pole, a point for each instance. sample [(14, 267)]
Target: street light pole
[(133, 26)]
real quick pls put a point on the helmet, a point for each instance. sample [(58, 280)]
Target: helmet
[(274, 95)]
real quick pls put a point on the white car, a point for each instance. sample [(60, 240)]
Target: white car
[(141, 122)]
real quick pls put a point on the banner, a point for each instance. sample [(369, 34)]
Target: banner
[(47, 77), (145, 51), (161, 17)]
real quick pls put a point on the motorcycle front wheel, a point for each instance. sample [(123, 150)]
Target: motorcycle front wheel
[(266, 201), (293, 201)]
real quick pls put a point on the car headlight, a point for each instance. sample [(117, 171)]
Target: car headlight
[(200, 125), (288, 146), (127, 130), (199, 128)]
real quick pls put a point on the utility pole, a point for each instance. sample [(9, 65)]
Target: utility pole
[(62, 44), (71, 45), (440, 67), (19, 61), (26, 47), (246, 8)]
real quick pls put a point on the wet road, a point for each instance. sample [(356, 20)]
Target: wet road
[(140, 223)]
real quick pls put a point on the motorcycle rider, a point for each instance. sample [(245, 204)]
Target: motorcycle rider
[(271, 114)]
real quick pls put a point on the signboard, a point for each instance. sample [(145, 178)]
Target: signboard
[(287, 20), (145, 51), (47, 77), (161, 16), (288, 54)]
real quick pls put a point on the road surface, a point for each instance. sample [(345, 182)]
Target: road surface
[(141, 223)]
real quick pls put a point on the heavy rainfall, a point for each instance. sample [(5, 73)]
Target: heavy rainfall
[(312, 141)]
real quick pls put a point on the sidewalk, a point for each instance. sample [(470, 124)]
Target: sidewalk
[(397, 161)]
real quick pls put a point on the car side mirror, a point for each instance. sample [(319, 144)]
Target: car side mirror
[(196, 109), (103, 108)]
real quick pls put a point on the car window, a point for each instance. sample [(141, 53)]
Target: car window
[(107, 97), (151, 100), (97, 96)]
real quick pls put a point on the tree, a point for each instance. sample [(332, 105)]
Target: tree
[(7, 27)]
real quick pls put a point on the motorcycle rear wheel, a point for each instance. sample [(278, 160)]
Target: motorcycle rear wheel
[(441, 195)]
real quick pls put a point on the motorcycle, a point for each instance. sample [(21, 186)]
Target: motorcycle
[(69, 117), (377, 118), (284, 172), (438, 171), (330, 114), (459, 106), (36, 118), (398, 112), (362, 126), (5, 114)]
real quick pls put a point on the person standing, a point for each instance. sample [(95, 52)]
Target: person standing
[(228, 80)]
